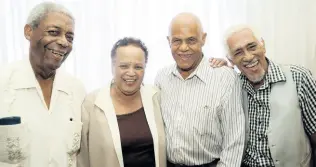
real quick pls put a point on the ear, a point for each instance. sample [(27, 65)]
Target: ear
[(168, 39), (28, 31), (112, 69), (263, 45), (204, 38), (230, 60)]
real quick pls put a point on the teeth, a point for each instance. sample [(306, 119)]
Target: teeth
[(252, 64), (55, 52), (129, 80)]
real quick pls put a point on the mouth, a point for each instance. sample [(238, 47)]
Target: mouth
[(129, 81), (252, 64), (185, 56), (57, 54)]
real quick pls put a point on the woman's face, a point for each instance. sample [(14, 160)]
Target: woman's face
[(129, 69)]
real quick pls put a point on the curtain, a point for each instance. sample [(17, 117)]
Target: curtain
[(287, 27)]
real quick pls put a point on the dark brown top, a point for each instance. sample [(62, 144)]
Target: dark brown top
[(136, 140)]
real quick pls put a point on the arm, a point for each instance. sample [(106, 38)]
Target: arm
[(233, 127), (307, 99), (83, 156), (219, 62)]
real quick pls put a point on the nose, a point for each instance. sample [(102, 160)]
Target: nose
[(183, 47), (62, 41), (248, 56), (131, 72)]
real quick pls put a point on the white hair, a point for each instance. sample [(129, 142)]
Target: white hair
[(41, 10), (237, 28)]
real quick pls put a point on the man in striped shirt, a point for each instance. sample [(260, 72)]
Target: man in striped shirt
[(280, 102), (201, 106)]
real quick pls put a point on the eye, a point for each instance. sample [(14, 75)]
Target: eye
[(252, 47), (176, 41), (237, 53), (70, 38), (139, 68), (192, 40), (53, 32), (123, 66)]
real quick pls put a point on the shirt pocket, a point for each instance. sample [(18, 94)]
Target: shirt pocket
[(73, 136), (14, 143), (205, 120)]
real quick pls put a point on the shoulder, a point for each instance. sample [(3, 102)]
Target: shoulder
[(8, 70), (166, 70), (74, 84), (299, 73), (150, 90), (92, 96), (299, 70), (224, 74)]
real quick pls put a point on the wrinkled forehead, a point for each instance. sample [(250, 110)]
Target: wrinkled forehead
[(183, 31), (130, 54), (241, 39), (58, 20)]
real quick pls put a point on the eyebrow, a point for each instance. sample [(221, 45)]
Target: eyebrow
[(252, 43), (237, 50), (129, 63), (240, 48), (57, 27)]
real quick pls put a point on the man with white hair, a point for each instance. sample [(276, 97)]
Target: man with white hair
[(279, 100), (40, 106), (201, 106)]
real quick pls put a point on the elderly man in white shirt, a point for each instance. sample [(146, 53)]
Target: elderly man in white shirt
[(47, 100)]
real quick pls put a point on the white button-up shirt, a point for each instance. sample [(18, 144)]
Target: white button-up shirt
[(203, 115), (45, 137)]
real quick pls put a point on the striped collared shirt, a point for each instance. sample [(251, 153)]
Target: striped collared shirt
[(203, 115)]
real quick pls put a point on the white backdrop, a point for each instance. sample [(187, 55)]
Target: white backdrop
[(288, 27)]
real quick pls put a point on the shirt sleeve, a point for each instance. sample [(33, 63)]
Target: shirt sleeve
[(233, 126), (83, 155), (307, 100), (158, 80)]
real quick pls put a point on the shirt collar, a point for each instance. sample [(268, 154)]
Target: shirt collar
[(199, 72), (23, 77)]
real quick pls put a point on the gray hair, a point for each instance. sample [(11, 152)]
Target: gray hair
[(237, 28), (40, 11)]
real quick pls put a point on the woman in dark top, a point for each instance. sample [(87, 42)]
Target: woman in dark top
[(137, 143), (122, 124)]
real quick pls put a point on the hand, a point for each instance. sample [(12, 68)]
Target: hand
[(218, 62)]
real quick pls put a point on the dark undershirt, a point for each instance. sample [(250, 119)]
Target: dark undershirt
[(136, 140)]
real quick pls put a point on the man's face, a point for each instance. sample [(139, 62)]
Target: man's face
[(50, 42), (248, 54), (129, 69), (186, 43)]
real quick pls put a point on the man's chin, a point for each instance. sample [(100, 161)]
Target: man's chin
[(185, 67), (256, 80), (53, 66)]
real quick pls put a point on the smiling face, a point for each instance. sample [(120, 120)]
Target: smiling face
[(186, 40), (50, 42), (129, 69), (248, 54)]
